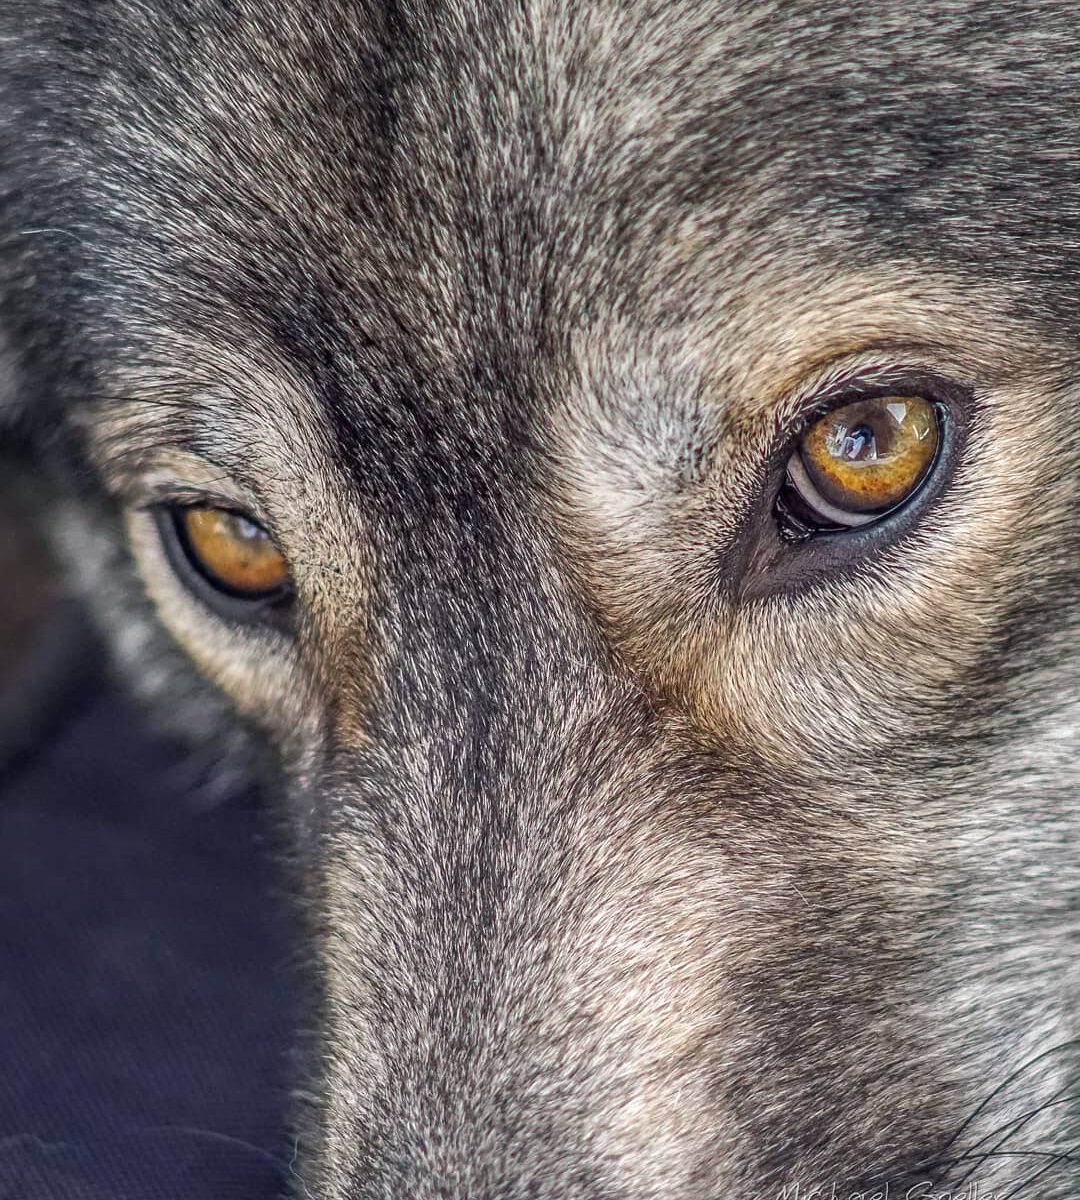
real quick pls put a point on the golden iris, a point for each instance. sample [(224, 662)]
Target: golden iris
[(871, 455), (233, 552)]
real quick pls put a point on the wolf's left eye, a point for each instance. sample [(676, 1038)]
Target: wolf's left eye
[(859, 462), (224, 554)]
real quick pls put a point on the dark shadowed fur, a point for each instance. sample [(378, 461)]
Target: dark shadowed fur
[(647, 855)]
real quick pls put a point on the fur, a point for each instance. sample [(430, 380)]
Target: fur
[(646, 855)]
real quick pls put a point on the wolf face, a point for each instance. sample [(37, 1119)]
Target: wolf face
[(620, 463)]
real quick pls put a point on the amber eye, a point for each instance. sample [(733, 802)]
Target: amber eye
[(859, 462), (231, 552)]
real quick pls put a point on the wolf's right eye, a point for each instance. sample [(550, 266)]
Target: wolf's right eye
[(860, 462), (226, 557)]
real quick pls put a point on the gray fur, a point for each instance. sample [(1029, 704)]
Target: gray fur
[(642, 860)]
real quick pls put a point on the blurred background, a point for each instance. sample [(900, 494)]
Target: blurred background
[(148, 951)]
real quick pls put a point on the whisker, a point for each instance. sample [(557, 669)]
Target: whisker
[(1068, 1156), (1005, 1083), (224, 1138), (295, 1173), (1011, 1130)]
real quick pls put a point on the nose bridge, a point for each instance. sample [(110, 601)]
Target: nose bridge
[(493, 679), (491, 674), (473, 965), (499, 719), (505, 904), (483, 623)]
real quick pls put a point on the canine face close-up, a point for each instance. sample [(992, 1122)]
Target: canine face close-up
[(614, 468)]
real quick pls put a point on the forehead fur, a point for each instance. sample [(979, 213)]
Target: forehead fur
[(477, 173)]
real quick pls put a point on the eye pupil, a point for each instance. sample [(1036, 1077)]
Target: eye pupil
[(856, 444)]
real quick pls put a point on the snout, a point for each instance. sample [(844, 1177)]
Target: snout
[(580, 975)]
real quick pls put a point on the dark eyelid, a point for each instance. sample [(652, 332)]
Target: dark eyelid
[(159, 486), (180, 496)]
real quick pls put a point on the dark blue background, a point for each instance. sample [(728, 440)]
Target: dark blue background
[(147, 973)]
